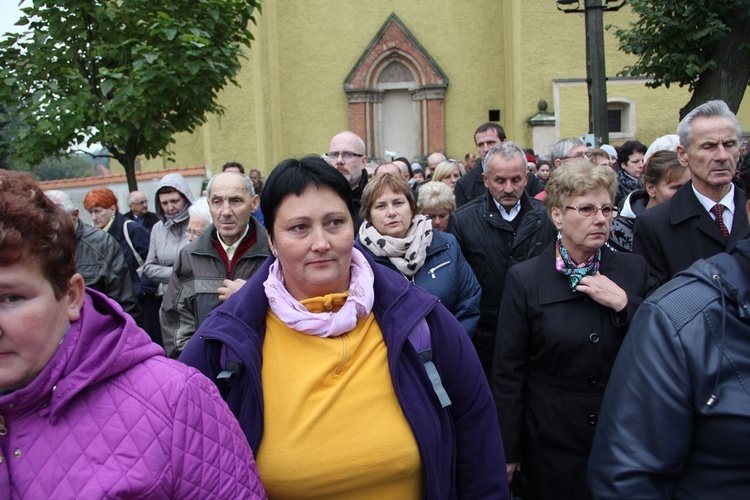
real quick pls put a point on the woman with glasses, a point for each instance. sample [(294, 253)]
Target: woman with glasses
[(200, 219), (561, 322)]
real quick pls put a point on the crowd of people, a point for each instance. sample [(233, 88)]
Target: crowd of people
[(501, 326)]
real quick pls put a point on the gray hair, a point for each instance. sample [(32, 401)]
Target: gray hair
[(247, 180), (130, 197), (563, 147), (200, 208), (508, 150), (62, 200), (706, 110), (435, 194)]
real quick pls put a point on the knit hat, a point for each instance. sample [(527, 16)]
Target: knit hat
[(664, 143), (609, 150)]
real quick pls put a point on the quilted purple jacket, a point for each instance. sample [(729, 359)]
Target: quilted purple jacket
[(111, 417)]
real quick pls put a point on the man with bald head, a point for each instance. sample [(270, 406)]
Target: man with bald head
[(434, 160), (347, 154), (228, 252), (389, 168), (139, 213)]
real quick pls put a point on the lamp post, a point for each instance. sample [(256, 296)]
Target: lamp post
[(596, 74)]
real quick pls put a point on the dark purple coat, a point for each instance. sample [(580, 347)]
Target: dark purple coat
[(460, 446)]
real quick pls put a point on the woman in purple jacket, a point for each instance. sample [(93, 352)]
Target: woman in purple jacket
[(318, 357), (89, 406)]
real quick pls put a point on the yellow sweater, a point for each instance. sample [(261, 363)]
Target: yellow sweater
[(333, 427)]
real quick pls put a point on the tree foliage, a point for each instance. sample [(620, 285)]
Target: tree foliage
[(702, 45), (127, 74)]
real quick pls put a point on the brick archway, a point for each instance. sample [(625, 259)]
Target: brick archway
[(395, 60)]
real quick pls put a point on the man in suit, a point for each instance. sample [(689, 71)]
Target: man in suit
[(139, 210), (706, 216)]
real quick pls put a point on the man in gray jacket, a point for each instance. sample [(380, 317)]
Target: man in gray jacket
[(99, 259), (230, 251)]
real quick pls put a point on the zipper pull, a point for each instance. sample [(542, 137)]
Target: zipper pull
[(3, 429)]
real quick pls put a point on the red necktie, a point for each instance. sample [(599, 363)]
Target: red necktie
[(718, 210)]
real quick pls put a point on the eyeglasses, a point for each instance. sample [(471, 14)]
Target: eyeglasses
[(577, 156), (193, 233), (589, 210), (347, 155)]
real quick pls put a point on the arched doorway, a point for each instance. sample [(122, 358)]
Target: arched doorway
[(396, 95)]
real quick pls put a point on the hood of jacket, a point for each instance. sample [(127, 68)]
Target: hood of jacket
[(102, 343), (179, 183), (634, 204), (723, 275)]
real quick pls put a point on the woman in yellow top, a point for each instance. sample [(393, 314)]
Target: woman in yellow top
[(317, 356)]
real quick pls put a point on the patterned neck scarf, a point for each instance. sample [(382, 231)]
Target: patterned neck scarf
[(628, 181), (408, 253), (575, 272)]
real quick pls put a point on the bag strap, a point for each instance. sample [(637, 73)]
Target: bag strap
[(130, 243), (421, 340), (230, 365)]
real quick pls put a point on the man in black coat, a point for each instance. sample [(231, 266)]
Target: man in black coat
[(501, 228), (139, 210), (706, 216)]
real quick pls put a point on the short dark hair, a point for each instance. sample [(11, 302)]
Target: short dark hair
[(628, 149), (494, 126), (34, 229), (292, 176), (233, 164)]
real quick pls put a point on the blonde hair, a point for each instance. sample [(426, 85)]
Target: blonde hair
[(576, 178), (444, 169), (435, 194)]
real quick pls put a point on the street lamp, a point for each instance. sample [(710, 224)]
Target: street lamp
[(596, 74)]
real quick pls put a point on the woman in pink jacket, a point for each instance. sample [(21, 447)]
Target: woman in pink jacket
[(89, 406)]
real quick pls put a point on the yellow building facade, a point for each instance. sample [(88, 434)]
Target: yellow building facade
[(434, 69)]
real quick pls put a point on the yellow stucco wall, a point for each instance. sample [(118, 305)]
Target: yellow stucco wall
[(503, 55)]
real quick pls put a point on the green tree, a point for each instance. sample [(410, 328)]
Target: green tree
[(127, 74), (5, 138), (63, 167), (702, 45)]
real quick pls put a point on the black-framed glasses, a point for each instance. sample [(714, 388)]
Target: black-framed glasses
[(589, 210), (347, 155)]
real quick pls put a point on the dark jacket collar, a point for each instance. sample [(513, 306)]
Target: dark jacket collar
[(684, 205)]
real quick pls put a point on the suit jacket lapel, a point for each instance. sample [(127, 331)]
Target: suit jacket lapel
[(740, 227), (685, 205)]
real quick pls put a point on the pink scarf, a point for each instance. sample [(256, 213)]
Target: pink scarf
[(358, 303)]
